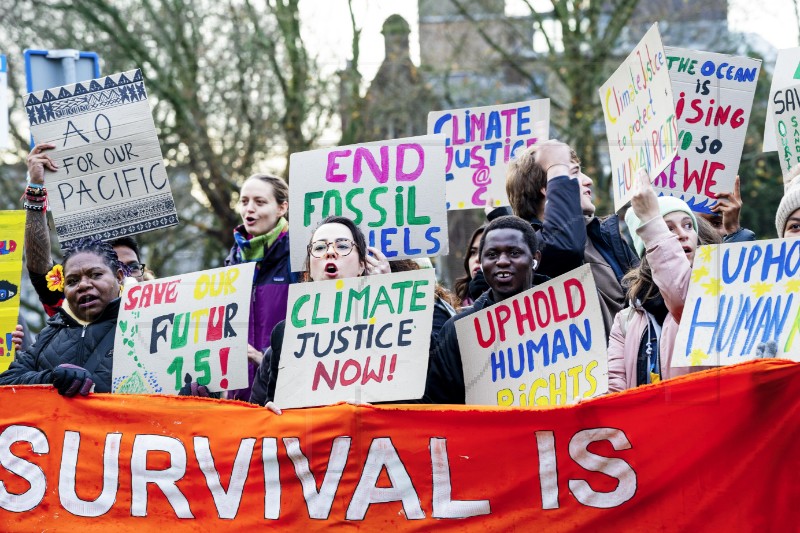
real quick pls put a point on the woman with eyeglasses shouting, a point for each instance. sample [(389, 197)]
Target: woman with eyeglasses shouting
[(337, 250)]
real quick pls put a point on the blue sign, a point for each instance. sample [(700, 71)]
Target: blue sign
[(53, 68)]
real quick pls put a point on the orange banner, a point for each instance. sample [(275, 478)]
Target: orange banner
[(716, 451)]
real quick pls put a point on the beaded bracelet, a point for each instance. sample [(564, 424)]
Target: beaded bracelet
[(33, 207), (37, 199), (35, 185), (36, 191)]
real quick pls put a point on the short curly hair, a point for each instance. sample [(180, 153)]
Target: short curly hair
[(512, 222), (93, 246)]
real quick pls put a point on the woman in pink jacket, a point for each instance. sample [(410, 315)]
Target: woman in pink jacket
[(664, 232)]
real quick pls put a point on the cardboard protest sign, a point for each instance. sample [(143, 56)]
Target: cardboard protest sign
[(713, 97), (695, 453), (393, 190), (545, 346), (742, 297), (363, 339), (193, 324), (786, 108), (481, 141), (12, 233), (786, 73), (639, 112), (111, 179)]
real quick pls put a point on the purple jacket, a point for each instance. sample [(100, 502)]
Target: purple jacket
[(268, 304)]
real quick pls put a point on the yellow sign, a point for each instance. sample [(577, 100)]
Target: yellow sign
[(12, 232)]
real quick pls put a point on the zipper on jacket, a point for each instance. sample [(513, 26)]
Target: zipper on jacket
[(83, 333)]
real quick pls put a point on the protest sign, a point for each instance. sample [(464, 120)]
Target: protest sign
[(545, 346), (12, 233), (363, 339), (639, 112), (713, 97), (193, 324), (695, 453), (4, 140), (393, 190), (110, 179), (481, 141), (786, 108), (787, 72), (742, 296)]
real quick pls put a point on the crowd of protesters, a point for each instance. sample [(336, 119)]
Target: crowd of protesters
[(550, 228)]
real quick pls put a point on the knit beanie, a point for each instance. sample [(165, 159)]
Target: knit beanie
[(666, 205), (790, 201)]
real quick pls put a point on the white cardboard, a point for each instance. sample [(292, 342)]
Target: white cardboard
[(640, 117), (111, 179), (511, 363), (480, 143), (740, 296), (787, 71), (786, 118), (154, 350), (364, 183), (710, 146), (389, 304)]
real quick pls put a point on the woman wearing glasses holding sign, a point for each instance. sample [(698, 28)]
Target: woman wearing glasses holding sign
[(337, 250)]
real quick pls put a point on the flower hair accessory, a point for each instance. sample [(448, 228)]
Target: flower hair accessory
[(55, 278)]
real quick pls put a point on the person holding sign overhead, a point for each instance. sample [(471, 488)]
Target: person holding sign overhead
[(665, 235), (74, 352), (546, 186), (337, 250), (509, 256), (46, 278)]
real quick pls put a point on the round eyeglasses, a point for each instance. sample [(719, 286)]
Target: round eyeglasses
[(342, 247)]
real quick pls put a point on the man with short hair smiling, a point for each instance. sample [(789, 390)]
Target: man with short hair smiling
[(509, 256)]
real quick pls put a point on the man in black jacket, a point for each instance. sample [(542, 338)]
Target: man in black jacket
[(509, 254)]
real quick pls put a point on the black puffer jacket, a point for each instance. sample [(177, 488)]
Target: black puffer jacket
[(445, 383), (65, 341)]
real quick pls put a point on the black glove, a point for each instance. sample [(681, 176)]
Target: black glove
[(72, 379), (191, 388), (477, 285)]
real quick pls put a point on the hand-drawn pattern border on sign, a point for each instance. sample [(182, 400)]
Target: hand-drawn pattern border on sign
[(142, 215), (48, 107)]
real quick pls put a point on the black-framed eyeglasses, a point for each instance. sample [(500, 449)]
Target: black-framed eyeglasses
[(135, 268), (342, 247)]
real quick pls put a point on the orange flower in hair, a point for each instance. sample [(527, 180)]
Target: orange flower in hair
[(55, 278)]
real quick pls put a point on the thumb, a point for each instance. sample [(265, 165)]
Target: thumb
[(187, 379)]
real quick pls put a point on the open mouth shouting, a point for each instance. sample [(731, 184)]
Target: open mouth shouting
[(331, 270)]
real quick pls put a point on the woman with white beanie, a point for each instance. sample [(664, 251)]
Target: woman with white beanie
[(665, 235), (787, 219)]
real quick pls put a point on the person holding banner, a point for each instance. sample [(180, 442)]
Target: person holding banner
[(665, 235), (46, 277), (509, 255), (74, 352), (263, 238), (337, 250)]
